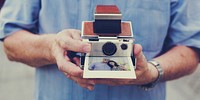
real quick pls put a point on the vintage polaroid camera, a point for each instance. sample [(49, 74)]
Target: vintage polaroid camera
[(110, 38)]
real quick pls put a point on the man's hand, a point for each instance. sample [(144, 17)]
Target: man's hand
[(145, 72), (69, 40)]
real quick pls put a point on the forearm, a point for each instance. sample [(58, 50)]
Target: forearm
[(28, 48), (177, 62)]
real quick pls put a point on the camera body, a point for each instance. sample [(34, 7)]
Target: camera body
[(116, 47), (111, 42), (108, 45)]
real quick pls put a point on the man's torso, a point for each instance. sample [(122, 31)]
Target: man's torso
[(150, 19)]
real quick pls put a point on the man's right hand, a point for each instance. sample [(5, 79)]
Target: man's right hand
[(70, 40)]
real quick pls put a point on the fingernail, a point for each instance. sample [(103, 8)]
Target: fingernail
[(90, 88), (68, 76), (91, 82), (87, 48)]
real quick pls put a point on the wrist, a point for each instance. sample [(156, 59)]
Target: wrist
[(49, 42), (153, 73), (52, 44), (156, 74)]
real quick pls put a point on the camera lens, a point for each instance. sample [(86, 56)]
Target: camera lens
[(109, 48)]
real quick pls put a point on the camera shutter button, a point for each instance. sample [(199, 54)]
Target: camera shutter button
[(124, 46)]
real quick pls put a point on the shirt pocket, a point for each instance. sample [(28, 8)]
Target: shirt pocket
[(150, 19)]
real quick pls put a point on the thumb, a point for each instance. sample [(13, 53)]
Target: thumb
[(141, 61)]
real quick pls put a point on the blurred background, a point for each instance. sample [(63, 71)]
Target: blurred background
[(17, 82)]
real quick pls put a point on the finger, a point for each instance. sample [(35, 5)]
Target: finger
[(141, 60), (66, 57), (125, 81), (81, 80), (76, 34), (77, 61), (68, 43), (65, 65), (70, 40), (88, 86), (70, 68), (105, 81), (116, 82), (84, 85)]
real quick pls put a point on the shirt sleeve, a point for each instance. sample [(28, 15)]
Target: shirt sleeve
[(184, 27), (19, 15)]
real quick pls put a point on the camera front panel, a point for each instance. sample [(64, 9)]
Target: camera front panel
[(107, 47)]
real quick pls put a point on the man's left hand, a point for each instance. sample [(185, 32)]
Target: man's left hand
[(145, 72)]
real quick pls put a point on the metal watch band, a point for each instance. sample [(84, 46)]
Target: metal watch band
[(159, 68), (160, 75)]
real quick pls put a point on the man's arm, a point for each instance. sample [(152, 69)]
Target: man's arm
[(177, 62), (28, 48), (40, 50)]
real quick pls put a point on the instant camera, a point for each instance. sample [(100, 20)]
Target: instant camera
[(112, 43)]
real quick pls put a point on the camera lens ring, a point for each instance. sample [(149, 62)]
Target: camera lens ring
[(109, 48)]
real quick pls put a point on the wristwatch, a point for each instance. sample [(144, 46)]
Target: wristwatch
[(151, 85)]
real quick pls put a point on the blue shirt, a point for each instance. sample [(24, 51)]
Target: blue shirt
[(157, 26)]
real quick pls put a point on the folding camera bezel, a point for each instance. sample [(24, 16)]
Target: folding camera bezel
[(93, 38)]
